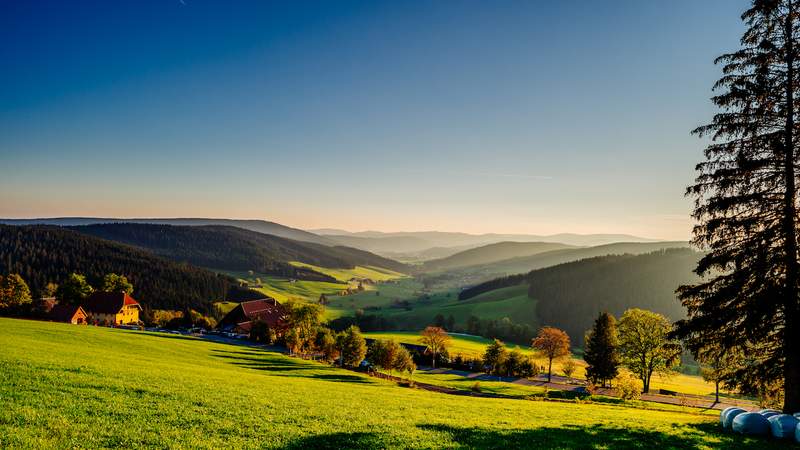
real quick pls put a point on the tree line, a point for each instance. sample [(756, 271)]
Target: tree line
[(45, 255)]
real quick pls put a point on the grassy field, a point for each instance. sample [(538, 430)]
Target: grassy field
[(474, 346), (67, 386), (283, 289), (510, 302), (467, 345), (345, 275)]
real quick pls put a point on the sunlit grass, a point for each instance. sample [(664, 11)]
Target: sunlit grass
[(66, 386)]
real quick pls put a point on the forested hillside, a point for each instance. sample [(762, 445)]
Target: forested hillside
[(551, 258), (237, 249), (259, 226), (492, 253), (44, 254), (570, 296)]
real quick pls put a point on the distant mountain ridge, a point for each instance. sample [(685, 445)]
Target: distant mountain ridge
[(488, 254), (525, 264), (414, 242), (259, 226)]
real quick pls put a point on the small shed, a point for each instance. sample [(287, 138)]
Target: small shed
[(73, 314)]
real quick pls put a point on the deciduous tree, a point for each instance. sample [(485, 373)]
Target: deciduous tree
[(326, 344), (352, 346), (14, 292), (116, 283), (644, 344), (403, 362), (554, 344), (382, 353), (74, 290), (436, 340)]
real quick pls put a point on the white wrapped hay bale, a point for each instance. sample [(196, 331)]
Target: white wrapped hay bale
[(769, 412), (751, 424), (783, 426), (723, 413), (728, 415)]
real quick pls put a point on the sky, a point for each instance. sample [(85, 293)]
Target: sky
[(535, 117)]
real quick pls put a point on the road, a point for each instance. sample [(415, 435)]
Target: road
[(573, 385)]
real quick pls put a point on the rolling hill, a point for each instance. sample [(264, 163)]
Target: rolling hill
[(229, 248), (259, 226), (413, 242), (477, 274), (66, 386), (492, 253), (571, 295), (44, 254)]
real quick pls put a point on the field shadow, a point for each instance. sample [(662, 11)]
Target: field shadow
[(596, 436), (284, 366), (164, 336), (336, 441)]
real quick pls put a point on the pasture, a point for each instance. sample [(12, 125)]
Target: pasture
[(474, 346), (66, 386)]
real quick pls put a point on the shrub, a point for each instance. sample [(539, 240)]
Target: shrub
[(628, 387), (476, 387)]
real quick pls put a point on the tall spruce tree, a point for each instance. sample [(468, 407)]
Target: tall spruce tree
[(746, 208), (602, 350)]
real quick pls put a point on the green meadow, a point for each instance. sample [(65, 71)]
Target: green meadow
[(66, 386), (474, 346), (358, 272), (512, 302)]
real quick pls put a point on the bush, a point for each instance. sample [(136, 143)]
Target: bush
[(628, 387), (476, 387)]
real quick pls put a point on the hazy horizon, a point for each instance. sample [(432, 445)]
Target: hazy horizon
[(362, 116)]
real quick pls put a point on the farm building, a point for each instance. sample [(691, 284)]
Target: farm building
[(67, 313), (113, 308), (241, 318)]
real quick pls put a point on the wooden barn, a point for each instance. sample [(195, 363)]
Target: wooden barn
[(240, 319), (73, 314)]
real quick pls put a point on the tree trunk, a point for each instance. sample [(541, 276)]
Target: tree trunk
[(550, 370), (433, 362), (716, 386), (791, 382)]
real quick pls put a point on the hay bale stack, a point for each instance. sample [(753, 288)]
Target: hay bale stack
[(751, 424), (727, 416), (783, 426)]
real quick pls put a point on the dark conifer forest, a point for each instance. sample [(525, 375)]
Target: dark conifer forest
[(47, 254), (236, 249)]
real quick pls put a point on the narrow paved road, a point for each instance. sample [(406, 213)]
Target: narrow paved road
[(567, 384)]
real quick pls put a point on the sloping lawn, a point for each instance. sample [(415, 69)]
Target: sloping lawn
[(65, 386)]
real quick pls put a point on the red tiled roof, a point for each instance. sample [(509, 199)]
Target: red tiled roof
[(267, 310), (108, 302), (65, 312), (245, 326)]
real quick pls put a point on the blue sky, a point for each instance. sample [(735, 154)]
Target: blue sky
[(528, 117)]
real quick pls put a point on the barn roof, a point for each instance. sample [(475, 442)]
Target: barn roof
[(108, 302), (64, 312), (267, 310)]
